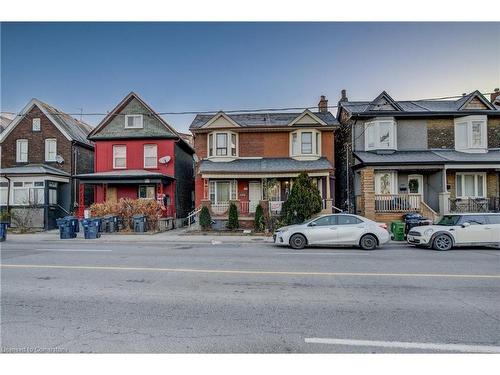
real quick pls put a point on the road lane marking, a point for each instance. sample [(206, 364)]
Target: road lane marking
[(75, 250), (322, 253), (408, 345), (250, 272)]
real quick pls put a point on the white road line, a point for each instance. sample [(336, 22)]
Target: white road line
[(74, 250), (322, 253), (463, 348)]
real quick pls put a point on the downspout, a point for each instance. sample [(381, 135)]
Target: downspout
[(348, 187), (8, 193)]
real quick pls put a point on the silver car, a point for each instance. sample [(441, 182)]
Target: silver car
[(334, 229)]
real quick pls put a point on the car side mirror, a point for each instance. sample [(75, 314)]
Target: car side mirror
[(465, 225), (313, 224)]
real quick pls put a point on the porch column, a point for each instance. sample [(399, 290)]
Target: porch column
[(367, 201), (328, 197), (104, 192), (81, 200), (444, 196)]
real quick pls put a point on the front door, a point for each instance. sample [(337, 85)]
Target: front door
[(254, 195), (416, 186), (111, 195)]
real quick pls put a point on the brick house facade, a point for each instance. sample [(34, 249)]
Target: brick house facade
[(433, 157), (253, 158), (47, 148)]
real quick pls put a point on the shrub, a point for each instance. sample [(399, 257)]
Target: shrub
[(233, 217), (149, 208), (260, 222), (205, 218), (303, 202)]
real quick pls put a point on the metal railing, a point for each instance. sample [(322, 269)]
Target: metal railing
[(466, 205), (397, 202)]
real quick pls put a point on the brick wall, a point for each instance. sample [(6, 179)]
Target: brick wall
[(441, 133), (494, 133), (492, 184), (36, 142), (367, 200), (200, 145)]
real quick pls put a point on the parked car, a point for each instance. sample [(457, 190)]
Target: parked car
[(335, 229), (458, 230)]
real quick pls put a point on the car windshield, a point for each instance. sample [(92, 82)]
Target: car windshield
[(449, 220)]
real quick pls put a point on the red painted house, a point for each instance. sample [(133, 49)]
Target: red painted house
[(138, 155)]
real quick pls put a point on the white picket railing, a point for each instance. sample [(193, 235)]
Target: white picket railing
[(397, 202), (220, 208)]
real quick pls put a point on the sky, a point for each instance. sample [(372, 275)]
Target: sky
[(229, 66)]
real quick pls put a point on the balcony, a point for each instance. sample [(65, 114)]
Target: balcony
[(467, 205), (397, 202)]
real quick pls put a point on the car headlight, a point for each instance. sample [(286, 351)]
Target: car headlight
[(428, 232), (282, 230)]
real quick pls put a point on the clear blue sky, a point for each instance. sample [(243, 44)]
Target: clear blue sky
[(211, 66)]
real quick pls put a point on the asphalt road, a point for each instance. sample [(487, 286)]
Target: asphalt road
[(93, 297)]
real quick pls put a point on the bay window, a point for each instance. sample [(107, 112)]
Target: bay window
[(305, 143), (471, 134), (471, 185), (380, 135), (150, 156), (119, 156), (222, 144)]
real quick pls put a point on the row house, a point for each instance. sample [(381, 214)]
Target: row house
[(42, 150), (431, 156), (252, 158), (138, 155)]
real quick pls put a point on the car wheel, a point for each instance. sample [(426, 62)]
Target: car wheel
[(442, 242), (368, 242), (298, 241)]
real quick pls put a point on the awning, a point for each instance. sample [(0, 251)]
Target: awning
[(136, 176)]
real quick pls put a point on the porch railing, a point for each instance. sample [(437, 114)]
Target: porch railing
[(244, 207), (397, 202), (220, 208), (465, 205)]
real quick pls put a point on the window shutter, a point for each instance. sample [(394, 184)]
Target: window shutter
[(461, 136)]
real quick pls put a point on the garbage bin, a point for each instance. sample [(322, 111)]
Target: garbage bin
[(412, 219), (140, 223), (73, 221), (110, 223), (91, 228), (66, 229), (398, 230), (100, 224), (3, 231)]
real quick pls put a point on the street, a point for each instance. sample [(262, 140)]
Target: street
[(94, 296)]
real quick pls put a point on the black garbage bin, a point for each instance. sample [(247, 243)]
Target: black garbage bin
[(140, 223), (66, 230), (91, 228), (412, 219)]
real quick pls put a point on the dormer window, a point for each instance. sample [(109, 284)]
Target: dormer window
[(222, 144), (305, 143), (380, 135), (133, 122), (470, 134)]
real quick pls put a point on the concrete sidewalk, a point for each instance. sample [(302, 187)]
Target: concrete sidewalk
[(174, 236)]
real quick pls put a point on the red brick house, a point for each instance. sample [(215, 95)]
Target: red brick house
[(139, 155), (253, 158)]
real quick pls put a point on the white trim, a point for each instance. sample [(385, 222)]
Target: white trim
[(393, 182), (260, 175), (475, 174), (155, 156), (375, 126), (316, 148), (46, 141), (307, 113), (38, 122), (469, 121), (228, 156), (113, 150), (18, 150), (141, 122), (217, 116)]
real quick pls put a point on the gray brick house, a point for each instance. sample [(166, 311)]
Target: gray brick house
[(431, 156)]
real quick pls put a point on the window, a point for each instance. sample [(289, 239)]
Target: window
[(225, 144), (470, 134), (348, 220), (325, 221), (150, 156), (385, 182), (222, 191), (3, 193), (133, 122), (22, 151), (471, 185), (380, 135), (493, 219), (473, 220), (52, 196), (36, 125), (119, 156), (221, 149), (50, 149), (147, 191), (306, 143)]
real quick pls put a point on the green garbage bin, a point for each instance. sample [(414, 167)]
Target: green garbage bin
[(398, 230)]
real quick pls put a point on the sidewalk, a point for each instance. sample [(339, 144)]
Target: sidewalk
[(176, 235)]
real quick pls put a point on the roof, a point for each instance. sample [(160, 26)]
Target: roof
[(33, 169), (265, 165), (417, 106), (428, 157), (6, 119), (72, 128), (123, 173), (263, 119)]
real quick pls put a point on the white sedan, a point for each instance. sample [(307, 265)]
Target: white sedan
[(335, 229)]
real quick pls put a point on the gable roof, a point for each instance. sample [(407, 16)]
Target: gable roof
[(263, 119), (219, 115), (6, 119), (383, 100), (71, 128), (422, 107)]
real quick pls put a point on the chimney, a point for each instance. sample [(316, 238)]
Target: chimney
[(343, 96), (495, 95), (323, 104)]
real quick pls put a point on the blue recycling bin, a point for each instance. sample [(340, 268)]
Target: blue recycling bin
[(140, 223), (73, 221), (3, 232), (91, 228), (110, 223), (66, 230)]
